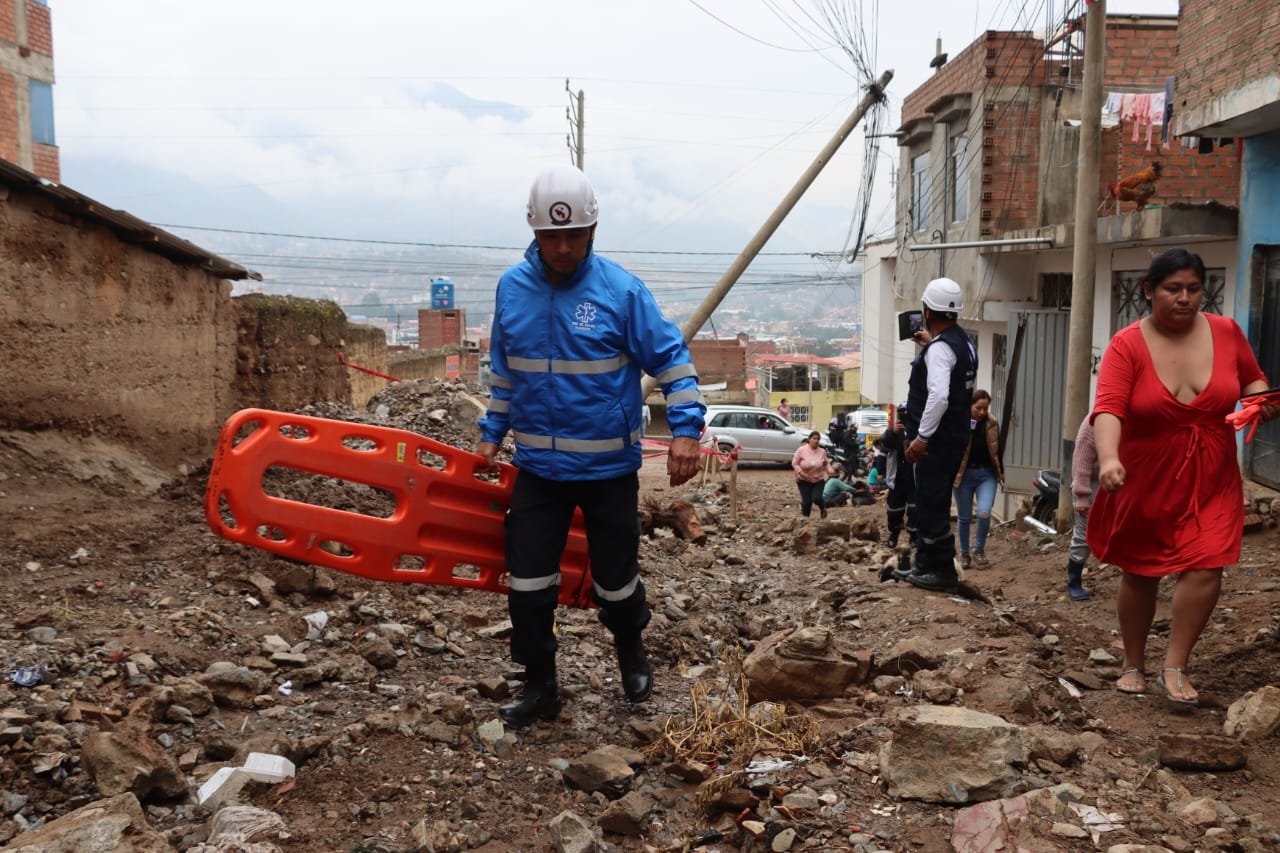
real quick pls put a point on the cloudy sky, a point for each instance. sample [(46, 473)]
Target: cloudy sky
[(426, 120)]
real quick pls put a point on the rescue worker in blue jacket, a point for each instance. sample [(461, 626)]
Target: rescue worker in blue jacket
[(572, 332), (940, 390)]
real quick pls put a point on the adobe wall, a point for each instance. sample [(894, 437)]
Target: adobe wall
[(287, 353), (98, 336)]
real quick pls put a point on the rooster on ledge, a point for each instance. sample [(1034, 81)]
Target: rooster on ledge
[(1137, 188)]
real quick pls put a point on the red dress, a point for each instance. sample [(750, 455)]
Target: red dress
[(1181, 505)]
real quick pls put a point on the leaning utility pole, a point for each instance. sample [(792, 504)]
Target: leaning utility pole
[(576, 113), (1083, 260), (875, 94)]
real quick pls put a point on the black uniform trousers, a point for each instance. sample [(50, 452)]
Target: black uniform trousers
[(537, 527), (900, 505), (935, 474)]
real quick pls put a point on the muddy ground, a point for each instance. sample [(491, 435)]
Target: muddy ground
[(117, 559)]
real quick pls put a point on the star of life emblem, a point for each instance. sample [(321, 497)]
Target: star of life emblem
[(584, 316)]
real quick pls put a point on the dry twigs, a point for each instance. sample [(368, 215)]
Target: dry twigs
[(728, 730)]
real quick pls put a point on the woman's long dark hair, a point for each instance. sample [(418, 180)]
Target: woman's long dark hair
[(1171, 261)]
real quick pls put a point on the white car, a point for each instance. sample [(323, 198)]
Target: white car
[(762, 434)]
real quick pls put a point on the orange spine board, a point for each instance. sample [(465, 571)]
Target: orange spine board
[(446, 527)]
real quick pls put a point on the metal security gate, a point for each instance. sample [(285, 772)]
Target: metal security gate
[(1035, 431), (1264, 455)]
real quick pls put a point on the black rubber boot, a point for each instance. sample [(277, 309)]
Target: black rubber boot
[(904, 566), (1075, 587), (540, 700), (937, 580), (637, 673)]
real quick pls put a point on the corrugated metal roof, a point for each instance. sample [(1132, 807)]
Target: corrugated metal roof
[(128, 227)]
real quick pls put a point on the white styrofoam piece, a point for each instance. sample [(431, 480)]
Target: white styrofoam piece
[(265, 767), (223, 785)]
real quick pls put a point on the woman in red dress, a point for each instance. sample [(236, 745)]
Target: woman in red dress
[(1171, 500)]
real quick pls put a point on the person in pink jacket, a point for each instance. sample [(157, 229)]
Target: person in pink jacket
[(812, 467)]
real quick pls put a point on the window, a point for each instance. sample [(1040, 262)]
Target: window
[(1128, 304), (958, 178), (799, 414), (1055, 290), (920, 186), (42, 113)]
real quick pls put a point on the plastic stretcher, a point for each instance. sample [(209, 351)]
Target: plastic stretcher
[(446, 527)]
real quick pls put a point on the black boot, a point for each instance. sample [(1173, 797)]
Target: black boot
[(936, 580), (904, 565), (637, 674), (540, 700), (1075, 588)]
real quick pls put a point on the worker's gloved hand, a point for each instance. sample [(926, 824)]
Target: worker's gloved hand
[(682, 459), (489, 451)]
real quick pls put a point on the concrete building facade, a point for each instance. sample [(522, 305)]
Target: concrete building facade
[(26, 88)]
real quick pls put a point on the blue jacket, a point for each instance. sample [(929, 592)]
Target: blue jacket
[(565, 369)]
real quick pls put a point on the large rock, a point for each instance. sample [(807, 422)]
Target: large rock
[(1001, 825), (603, 770), (114, 825), (234, 686), (1201, 752), (803, 664), (942, 754), (129, 760), (627, 816), (1255, 716), (571, 834), (911, 656)]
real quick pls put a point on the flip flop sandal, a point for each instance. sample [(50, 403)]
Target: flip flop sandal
[(1181, 683), (1140, 691)]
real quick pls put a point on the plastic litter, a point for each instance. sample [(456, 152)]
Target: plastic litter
[(771, 765), (28, 676), (285, 689), (1037, 524), (227, 782), (316, 623)]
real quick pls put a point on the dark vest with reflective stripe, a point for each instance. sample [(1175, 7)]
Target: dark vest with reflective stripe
[(954, 427)]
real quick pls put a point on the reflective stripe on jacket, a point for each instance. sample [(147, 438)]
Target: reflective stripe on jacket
[(565, 372)]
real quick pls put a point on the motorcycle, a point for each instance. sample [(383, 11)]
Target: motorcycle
[(1044, 508), (854, 466)]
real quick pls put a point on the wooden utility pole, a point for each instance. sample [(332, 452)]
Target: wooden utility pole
[(875, 94), (1084, 258)]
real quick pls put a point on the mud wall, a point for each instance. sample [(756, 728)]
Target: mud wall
[(415, 364), (100, 336), (287, 352), (367, 347)]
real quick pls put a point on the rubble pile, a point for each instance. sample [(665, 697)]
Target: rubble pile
[(168, 690)]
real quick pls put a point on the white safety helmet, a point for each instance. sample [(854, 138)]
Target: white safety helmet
[(561, 197), (944, 295)]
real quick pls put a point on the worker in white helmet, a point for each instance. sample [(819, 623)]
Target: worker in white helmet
[(939, 395), (572, 332)]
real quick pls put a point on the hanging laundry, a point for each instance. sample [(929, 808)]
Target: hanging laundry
[(1141, 113), (1155, 115), (1168, 111)]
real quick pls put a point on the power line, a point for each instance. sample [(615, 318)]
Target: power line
[(418, 244)]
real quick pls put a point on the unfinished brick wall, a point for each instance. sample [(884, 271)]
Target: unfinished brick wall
[(8, 115), (46, 162), (1013, 73), (720, 361), (1223, 44), (8, 21), (1141, 55), (39, 29)]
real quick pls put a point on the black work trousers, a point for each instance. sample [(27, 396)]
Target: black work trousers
[(537, 527), (935, 474), (900, 505)]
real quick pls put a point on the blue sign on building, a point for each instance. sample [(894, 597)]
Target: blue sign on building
[(441, 293)]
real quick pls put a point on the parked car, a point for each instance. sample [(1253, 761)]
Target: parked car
[(762, 434)]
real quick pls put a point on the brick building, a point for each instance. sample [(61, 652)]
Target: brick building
[(1228, 88), (440, 328), (26, 87), (988, 150)]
